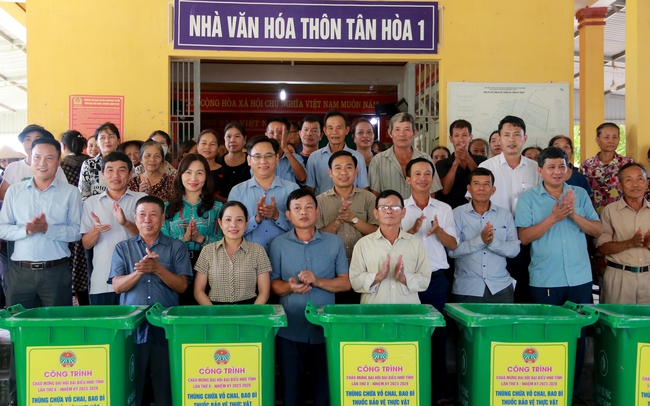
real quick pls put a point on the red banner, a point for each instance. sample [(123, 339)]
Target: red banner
[(298, 103)]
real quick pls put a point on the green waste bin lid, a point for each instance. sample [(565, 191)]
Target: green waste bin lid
[(110, 317), (489, 314), (623, 316), (252, 315), (413, 314)]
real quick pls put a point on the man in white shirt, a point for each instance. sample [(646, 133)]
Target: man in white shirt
[(513, 175)]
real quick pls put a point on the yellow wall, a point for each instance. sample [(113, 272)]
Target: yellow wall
[(120, 47)]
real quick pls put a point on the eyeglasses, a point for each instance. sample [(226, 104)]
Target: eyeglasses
[(259, 157), (391, 208), (107, 136)]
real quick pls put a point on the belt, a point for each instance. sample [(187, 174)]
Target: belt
[(39, 265), (635, 269)]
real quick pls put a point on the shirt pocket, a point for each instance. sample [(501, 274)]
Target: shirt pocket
[(501, 233), (58, 213)]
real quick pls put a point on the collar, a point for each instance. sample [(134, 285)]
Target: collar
[(55, 183), (331, 192), (105, 194), (244, 246), (292, 236), (276, 183), (432, 202), (377, 235), (502, 160), (469, 208), (622, 204), (541, 190), (161, 239)]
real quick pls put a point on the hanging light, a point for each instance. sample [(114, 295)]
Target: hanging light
[(612, 87), (373, 121), (283, 94)]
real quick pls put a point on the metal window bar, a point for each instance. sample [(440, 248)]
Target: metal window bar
[(185, 114), (427, 82)]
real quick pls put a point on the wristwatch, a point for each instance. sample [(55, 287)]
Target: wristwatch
[(355, 220)]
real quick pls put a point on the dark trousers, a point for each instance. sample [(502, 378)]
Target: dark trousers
[(39, 287), (505, 295), (155, 355), (109, 298), (518, 268), (436, 295), (295, 360), (580, 294)]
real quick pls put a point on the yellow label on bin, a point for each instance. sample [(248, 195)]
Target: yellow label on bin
[(377, 373), (529, 374), (74, 375), (222, 374), (642, 375)]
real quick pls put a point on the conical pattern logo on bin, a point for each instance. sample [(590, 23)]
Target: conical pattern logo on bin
[(379, 355), (222, 356), (530, 355), (67, 359)]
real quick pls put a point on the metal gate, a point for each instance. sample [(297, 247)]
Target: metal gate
[(424, 79), (185, 117)]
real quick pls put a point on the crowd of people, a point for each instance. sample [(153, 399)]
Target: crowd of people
[(272, 217)]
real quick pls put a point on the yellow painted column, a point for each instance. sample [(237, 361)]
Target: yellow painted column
[(592, 76), (637, 79)]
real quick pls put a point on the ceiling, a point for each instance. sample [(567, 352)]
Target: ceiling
[(614, 61), (13, 64)]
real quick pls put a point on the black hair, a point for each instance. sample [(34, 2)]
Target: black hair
[(233, 203), (262, 138), (336, 113), (48, 141), (380, 145), (282, 120), (605, 125), (513, 121), (74, 141), (209, 131), (185, 147), (299, 194), (340, 154), (460, 124), (630, 165), (117, 156), (311, 119), (34, 127), (207, 191), (440, 147), (131, 143), (237, 126), (523, 153), (551, 153), (418, 160), (360, 120), (294, 124), (108, 126), (561, 137), (487, 145), (491, 135), (168, 139), (385, 194), (481, 172), (151, 199)]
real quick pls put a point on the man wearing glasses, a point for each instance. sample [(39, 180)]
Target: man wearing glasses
[(401, 270), (265, 194)]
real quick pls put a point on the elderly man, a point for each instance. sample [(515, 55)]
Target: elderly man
[(390, 266), (625, 241), (307, 266), (487, 237), (387, 169), (336, 128), (146, 269)]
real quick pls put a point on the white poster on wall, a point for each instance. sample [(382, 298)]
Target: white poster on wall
[(544, 107)]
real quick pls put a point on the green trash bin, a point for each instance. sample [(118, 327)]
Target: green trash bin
[(517, 354), (221, 355), (74, 355), (622, 355), (378, 354)]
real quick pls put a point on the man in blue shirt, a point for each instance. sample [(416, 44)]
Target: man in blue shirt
[(487, 237), (146, 269), (289, 166), (41, 216), (308, 266), (265, 194), (554, 218), (336, 129)]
